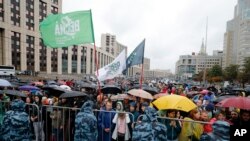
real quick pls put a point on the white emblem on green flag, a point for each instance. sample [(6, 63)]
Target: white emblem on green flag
[(68, 29)]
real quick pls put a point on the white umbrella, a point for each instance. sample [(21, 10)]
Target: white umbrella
[(4, 83), (140, 93), (66, 87)]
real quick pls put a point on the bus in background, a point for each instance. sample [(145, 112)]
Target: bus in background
[(7, 70)]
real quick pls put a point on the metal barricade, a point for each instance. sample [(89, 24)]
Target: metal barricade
[(60, 122)]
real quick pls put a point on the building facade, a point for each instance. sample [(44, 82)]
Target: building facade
[(111, 45), (21, 44), (236, 45), (188, 65)]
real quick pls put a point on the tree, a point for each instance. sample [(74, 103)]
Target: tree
[(230, 73), (215, 74), (198, 77), (245, 72)]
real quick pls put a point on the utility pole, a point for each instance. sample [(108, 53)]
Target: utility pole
[(205, 57)]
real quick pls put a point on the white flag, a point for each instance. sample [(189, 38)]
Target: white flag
[(113, 69)]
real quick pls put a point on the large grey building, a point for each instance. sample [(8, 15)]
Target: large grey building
[(21, 44), (188, 65), (236, 38)]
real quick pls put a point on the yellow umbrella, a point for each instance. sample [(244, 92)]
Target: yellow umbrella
[(140, 93), (175, 102)]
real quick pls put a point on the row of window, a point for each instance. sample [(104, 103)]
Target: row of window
[(15, 12)]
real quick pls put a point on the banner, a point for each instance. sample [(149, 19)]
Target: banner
[(113, 69), (62, 30)]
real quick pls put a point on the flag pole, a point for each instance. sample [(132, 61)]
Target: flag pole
[(96, 60), (142, 69)]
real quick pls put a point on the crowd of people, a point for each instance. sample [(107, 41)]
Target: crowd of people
[(101, 119)]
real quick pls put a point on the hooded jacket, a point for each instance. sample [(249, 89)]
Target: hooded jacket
[(149, 129), (86, 124), (16, 123)]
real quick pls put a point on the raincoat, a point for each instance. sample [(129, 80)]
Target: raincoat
[(149, 129), (16, 123), (105, 121), (86, 124), (190, 130)]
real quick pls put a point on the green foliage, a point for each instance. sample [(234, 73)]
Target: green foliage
[(230, 73)]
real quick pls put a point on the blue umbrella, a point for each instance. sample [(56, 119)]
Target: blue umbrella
[(4, 83), (28, 88)]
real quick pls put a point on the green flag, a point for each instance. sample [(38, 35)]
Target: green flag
[(62, 30)]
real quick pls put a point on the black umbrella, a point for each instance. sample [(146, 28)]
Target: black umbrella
[(13, 93), (111, 89), (151, 90), (70, 94), (54, 90)]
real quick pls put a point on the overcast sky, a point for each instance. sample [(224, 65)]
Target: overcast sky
[(171, 27)]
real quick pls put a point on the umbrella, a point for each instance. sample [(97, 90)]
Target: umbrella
[(70, 94), (4, 83), (204, 91), (28, 88), (140, 93), (160, 95), (236, 102), (120, 97), (65, 87), (220, 98), (13, 92), (175, 102), (111, 89), (54, 90), (151, 90)]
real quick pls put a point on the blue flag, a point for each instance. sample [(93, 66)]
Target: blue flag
[(137, 56)]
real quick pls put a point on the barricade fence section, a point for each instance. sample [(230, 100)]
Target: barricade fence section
[(59, 123), (56, 123), (183, 129)]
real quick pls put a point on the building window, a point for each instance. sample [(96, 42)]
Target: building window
[(54, 10), (30, 53), (54, 59), (15, 50), (30, 14), (83, 60), (91, 61), (15, 12), (65, 60), (42, 10), (54, 2), (42, 56), (1, 10), (74, 59)]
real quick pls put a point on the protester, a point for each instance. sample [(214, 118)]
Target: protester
[(121, 121), (37, 122), (245, 118), (105, 122), (191, 130), (149, 129), (173, 126), (86, 123), (16, 123), (57, 126), (235, 119)]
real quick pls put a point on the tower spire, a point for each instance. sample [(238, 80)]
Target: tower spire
[(202, 51)]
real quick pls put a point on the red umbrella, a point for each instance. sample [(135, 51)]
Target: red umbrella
[(236, 102)]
